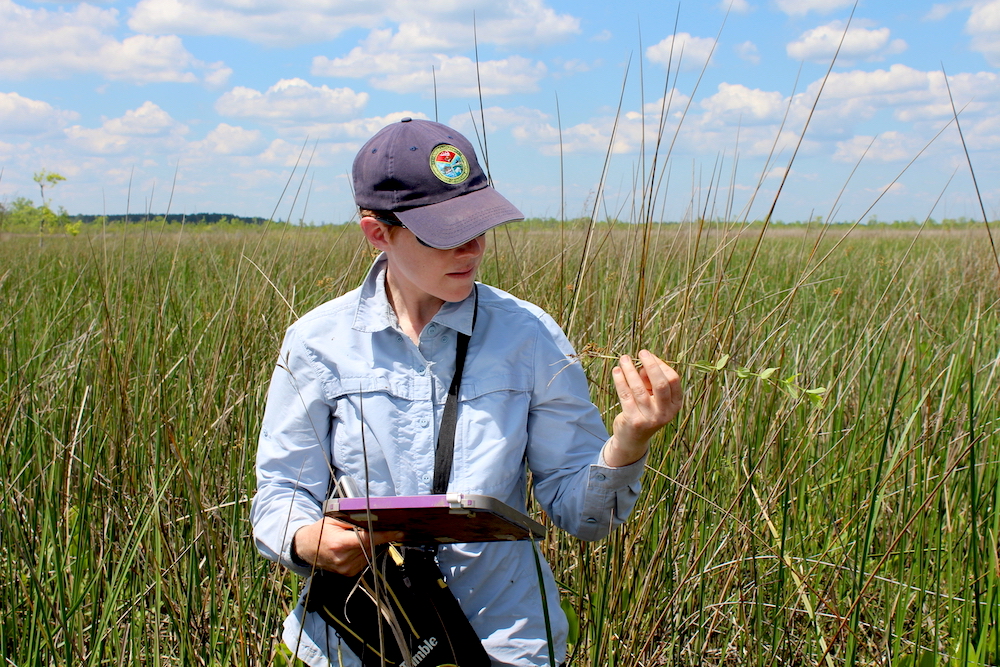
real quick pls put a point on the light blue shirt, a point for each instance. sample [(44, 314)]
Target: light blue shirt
[(524, 405)]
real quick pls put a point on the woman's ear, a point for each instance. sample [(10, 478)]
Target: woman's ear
[(376, 232)]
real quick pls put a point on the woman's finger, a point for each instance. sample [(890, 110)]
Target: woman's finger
[(664, 382), (625, 396), (636, 384)]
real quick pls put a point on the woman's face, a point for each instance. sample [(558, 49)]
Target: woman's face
[(418, 272)]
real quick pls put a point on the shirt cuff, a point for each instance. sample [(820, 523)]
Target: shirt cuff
[(640, 464), (611, 494), (289, 558)]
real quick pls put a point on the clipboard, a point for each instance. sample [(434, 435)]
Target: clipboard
[(437, 519)]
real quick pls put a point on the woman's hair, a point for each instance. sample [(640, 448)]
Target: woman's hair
[(393, 223), (384, 216)]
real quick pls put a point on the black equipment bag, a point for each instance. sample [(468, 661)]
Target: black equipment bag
[(417, 621)]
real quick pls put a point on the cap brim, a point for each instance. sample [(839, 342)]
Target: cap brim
[(455, 221)]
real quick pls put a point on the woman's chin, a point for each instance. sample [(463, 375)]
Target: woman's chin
[(460, 292)]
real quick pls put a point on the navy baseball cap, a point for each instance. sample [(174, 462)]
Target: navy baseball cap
[(427, 174)]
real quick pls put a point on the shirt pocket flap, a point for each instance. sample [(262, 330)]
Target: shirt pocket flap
[(336, 388), (471, 390)]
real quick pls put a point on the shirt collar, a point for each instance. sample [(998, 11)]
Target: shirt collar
[(374, 312)]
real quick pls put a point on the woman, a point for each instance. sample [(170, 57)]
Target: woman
[(361, 382)]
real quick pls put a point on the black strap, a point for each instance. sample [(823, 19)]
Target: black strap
[(445, 453)]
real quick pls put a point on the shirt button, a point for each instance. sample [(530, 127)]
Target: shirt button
[(422, 421), (432, 328), (444, 338), (421, 369), (599, 477), (399, 339), (425, 478)]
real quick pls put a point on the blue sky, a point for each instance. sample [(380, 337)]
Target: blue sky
[(122, 98)]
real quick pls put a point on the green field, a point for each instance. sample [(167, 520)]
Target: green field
[(855, 525)]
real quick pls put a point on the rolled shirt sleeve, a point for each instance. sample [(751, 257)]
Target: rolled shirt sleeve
[(293, 455), (577, 489)]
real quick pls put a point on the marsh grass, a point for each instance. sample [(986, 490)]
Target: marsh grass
[(771, 529)]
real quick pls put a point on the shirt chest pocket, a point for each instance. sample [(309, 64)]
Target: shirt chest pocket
[(380, 431), (492, 436)]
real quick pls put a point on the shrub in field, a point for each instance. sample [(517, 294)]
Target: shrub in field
[(22, 216)]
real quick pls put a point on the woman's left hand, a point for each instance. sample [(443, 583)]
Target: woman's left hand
[(650, 397)]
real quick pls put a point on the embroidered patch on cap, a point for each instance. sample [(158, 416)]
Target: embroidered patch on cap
[(448, 164)]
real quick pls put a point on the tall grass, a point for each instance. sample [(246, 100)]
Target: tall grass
[(772, 529)]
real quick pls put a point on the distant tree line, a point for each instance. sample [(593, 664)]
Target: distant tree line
[(171, 218), (22, 216)]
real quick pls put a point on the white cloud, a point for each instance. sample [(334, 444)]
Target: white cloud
[(291, 99), (355, 131), (148, 127), (363, 128), (984, 27), (577, 66), (671, 104), (820, 44), (21, 115), (803, 7), (735, 103), (896, 81), (573, 66), (228, 139), (96, 140), (887, 147), (912, 95), (700, 133), (531, 127), (444, 26), (526, 125), (939, 11), (974, 93), (39, 42), (534, 128), (849, 99), (694, 52), (217, 75), (983, 134), (736, 6), (896, 188), (9, 151), (747, 51), (283, 153), (265, 23), (432, 26), (146, 59), (148, 120), (455, 75)]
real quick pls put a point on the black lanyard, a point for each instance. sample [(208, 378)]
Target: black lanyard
[(445, 453)]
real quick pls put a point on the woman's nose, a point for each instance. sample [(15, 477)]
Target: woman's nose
[(473, 246)]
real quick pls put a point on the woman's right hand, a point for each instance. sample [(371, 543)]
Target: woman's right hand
[(339, 547)]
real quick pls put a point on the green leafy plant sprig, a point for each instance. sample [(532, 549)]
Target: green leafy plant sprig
[(769, 375)]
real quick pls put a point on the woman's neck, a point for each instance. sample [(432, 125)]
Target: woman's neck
[(414, 309)]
